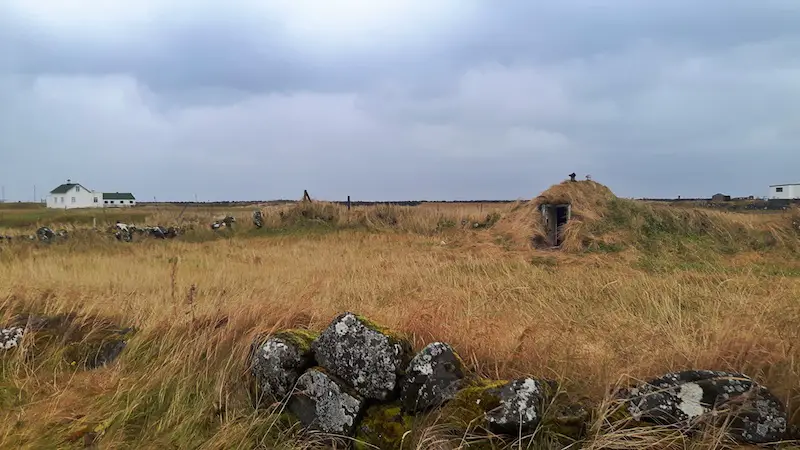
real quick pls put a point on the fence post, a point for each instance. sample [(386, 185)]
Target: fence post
[(348, 203)]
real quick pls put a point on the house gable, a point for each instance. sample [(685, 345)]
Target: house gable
[(66, 187)]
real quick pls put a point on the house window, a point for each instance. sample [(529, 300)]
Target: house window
[(95, 199), (105, 201), (77, 188), (131, 202), (73, 199), (778, 189)]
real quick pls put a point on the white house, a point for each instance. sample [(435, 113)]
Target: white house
[(784, 191), (118, 199), (75, 195)]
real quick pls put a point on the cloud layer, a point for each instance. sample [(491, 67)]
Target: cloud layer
[(464, 100)]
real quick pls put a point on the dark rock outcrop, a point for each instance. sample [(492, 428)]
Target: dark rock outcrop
[(325, 403), (278, 361), (432, 378), (686, 398), (362, 354)]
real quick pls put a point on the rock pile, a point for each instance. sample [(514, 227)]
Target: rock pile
[(358, 379)]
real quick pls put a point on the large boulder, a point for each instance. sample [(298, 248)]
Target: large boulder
[(364, 355), (278, 361), (432, 378), (325, 403), (687, 398)]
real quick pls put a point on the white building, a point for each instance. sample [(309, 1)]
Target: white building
[(784, 191), (74, 195)]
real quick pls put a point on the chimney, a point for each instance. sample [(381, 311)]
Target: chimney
[(69, 181)]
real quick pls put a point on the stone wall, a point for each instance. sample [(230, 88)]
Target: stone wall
[(360, 380)]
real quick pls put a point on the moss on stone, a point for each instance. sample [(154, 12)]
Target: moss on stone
[(385, 427), (471, 403), (300, 338)]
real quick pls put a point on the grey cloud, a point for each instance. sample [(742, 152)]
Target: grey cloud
[(655, 99)]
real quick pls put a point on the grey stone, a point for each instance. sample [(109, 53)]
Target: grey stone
[(277, 362), (45, 234), (11, 337), (686, 398), (367, 358), (521, 406), (432, 378), (258, 219), (324, 403)]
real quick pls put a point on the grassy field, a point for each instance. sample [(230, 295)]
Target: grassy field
[(653, 299)]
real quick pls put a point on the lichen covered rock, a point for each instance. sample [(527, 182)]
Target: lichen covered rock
[(504, 407), (521, 406), (11, 337), (278, 361), (364, 355), (432, 378), (323, 402), (686, 398), (386, 427)]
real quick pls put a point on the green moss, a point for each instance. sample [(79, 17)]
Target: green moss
[(470, 404), (300, 338), (385, 427)]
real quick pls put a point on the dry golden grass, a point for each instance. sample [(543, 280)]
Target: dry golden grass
[(590, 320)]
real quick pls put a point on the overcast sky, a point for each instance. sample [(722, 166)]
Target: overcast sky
[(398, 99)]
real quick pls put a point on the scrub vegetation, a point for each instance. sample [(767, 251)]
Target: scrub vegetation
[(637, 290)]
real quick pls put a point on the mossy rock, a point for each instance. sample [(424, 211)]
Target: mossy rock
[(365, 355), (484, 405), (326, 403), (469, 406), (386, 427), (276, 362)]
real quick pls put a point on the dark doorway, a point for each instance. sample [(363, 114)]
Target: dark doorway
[(556, 218)]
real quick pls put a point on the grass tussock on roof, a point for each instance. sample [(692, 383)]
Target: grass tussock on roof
[(601, 221)]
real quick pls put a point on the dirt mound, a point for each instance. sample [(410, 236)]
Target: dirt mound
[(587, 201)]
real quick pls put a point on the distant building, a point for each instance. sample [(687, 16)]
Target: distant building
[(720, 198), (74, 195), (118, 199), (789, 191)]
